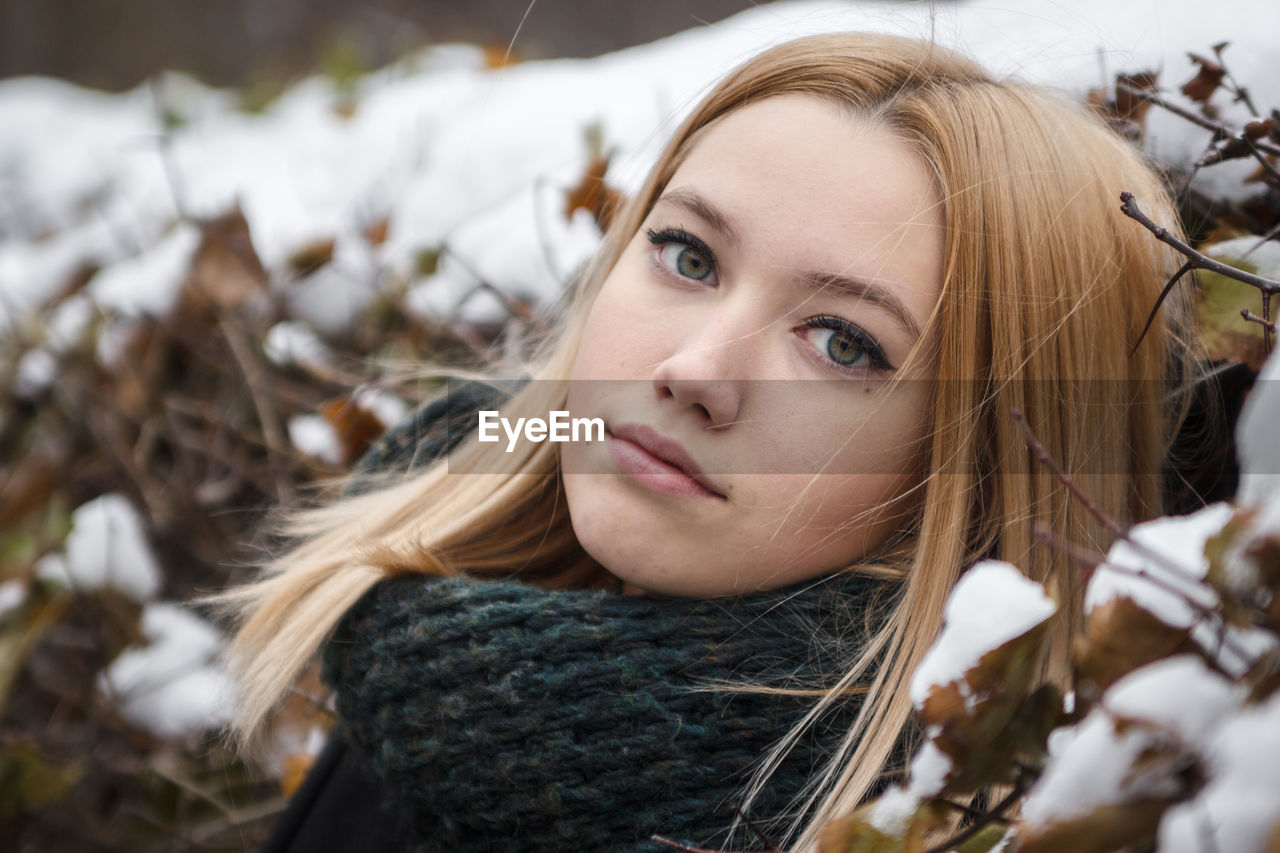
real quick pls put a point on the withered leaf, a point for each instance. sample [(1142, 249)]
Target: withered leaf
[(1226, 335), (226, 269), (1121, 636), (500, 55), (1207, 80), (1255, 130), (1129, 105), (854, 833), (593, 194), (357, 427), (311, 257), (973, 718), (1103, 830)]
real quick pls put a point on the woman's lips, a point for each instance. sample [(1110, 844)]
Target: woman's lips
[(655, 461)]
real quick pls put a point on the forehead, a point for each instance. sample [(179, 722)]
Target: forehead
[(819, 187)]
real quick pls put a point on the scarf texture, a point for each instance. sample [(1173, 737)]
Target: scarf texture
[(508, 717)]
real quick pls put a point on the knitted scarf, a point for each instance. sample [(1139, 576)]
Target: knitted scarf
[(508, 717)]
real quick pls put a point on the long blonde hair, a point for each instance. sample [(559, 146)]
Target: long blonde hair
[(1046, 289)]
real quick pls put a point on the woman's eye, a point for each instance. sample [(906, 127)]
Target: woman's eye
[(684, 255), (843, 344), (686, 260)]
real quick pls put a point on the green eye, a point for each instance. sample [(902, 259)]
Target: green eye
[(843, 349), (683, 255), (843, 345), (691, 263)]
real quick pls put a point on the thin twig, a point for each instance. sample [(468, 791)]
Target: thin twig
[(272, 429), (1052, 464), (1198, 260), (969, 811), (1267, 165), (1220, 130), (1122, 534), (1266, 318), (996, 813), (1155, 309), (1079, 553), (1254, 318), (1240, 93), (769, 845), (1262, 241)]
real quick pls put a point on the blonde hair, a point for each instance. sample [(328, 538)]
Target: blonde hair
[(1046, 289)]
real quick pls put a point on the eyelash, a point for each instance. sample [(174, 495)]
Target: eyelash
[(663, 236), (873, 352), (680, 237)]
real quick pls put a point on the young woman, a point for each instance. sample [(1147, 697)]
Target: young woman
[(803, 339)]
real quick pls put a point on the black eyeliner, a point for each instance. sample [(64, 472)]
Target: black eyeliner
[(678, 235), (868, 343)]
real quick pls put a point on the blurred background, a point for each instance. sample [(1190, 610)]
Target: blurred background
[(117, 45)]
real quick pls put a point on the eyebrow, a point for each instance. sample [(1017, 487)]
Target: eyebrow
[(869, 291)]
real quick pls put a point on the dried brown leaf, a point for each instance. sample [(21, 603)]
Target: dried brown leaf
[(1119, 637), (226, 270), (1255, 130), (1127, 105), (311, 257), (357, 427), (973, 719), (1207, 80), (1104, 830), (593, 194), (500, 55)]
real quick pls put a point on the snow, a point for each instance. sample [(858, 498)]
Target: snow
[(929, 769), (36, 371), (1178, 543), (290, 343), (1176, 700), (174, 686), (1237, 808), (477, 160), (148, 283), (12, 595), (106, 549), (315, 436), (892, 813), (386, 407), (991, 604)]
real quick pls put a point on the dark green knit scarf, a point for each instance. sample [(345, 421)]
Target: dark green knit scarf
[(506, 717)]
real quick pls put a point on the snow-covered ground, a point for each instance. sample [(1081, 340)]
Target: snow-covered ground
[(476, 160)]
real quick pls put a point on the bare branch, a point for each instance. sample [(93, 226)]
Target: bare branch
[(1197, 260), (1220, 130)]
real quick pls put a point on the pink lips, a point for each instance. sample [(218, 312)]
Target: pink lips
[(659, 463)]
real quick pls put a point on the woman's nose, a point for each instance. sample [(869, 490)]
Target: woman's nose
[(707, 374)]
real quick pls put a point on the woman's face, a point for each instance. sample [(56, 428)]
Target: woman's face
[(749, 332)]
